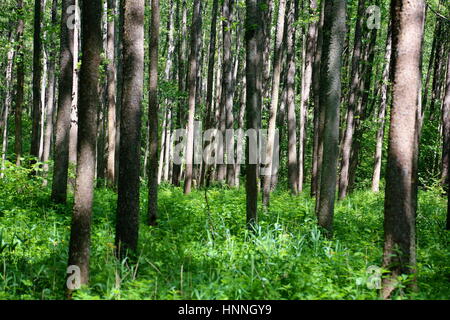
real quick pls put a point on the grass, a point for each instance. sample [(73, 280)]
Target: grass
[(196, 255)]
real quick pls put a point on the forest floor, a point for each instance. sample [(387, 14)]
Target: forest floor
[(196, 253)]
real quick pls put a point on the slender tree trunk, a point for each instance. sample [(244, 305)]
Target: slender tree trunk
[(37, 74), (446, 129), (290, 96), (318, 113), (74, 107), (274, 103), (62, 138), (50, 93), (20, 84), (153, 116), (310, 47), (111, 88), (228, 90), (254, 30), (193, 64), (79, 247), (210, 81), (400, 197), (382, 116), (354, 94), (333, 41), (127, 228), (9, 89)]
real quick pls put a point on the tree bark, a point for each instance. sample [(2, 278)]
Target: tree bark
[(446, 129), (80, 232), (20, 85), (192, 77), (37, 74), (111, 88), (333, 40), (354, 95), (254, 29), (400, 197), (153, 116), (62, 138), (274, 103), (382, 116), (127, 227)]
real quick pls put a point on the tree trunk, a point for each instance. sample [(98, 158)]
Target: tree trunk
[(354, 94), (192, 76), (62, 138), (20, 85), (80, 232), (330, 84), (400, 197), (274, 103), (318, 113), (382, 116), (111, 88), (228, 90), (310, 47), (254, 30), (130, 127), (50, 93), (153, 116), (37, 74), (446, 130)]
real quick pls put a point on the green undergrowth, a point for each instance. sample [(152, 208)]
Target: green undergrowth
[(202, 249)]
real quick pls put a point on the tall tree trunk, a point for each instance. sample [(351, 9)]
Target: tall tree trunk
[(354, 95), (37, 74), (274, 103), (50, 93), (20, 85), (254, 30), (318, 113), (62, 138), (210, 81), (400, 197), (8, 98), (333, 41), (192, 76), (446, 130), (127, 227), (153, 116), (310, 48), (74, 107), (382, 116), (228, 90), (80, 232), (111, 88), (290, 96)]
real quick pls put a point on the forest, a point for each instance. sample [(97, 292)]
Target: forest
[(224, 150)]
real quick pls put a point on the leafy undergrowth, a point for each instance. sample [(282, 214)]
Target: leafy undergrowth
[(193, 254)]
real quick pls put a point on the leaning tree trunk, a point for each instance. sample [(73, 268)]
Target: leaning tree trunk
[(254, 25), (277, 64), (399, 255), (192, 76), (153, 116), (61, 157), (80, 232), (330, 85), (127, 227)]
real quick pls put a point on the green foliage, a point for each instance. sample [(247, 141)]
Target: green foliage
[(196, 253)]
